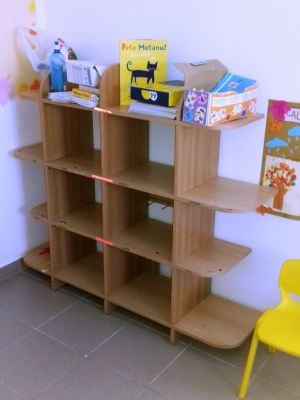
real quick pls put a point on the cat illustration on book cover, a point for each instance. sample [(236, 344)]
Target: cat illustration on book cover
[(138, 73)]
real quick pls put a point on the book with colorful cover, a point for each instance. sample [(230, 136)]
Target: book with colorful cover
[(142, 62), (233, 83)]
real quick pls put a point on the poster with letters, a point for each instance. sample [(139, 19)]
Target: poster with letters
[(281, 159)]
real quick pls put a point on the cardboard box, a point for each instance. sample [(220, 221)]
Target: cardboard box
[(158, 94), (208, 101), (233, 98), (84, 72), (202, 75)]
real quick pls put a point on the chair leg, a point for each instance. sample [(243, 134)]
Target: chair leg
[(249, 366), (271, 350)]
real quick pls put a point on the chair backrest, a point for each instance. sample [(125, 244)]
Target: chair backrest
[(289, 279)]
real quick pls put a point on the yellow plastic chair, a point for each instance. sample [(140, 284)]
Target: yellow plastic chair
[(279, 327)]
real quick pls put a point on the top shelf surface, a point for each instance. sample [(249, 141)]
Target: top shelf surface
[(30, 95), (122, 111)]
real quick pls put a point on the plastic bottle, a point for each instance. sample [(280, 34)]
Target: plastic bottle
[(57, 70)]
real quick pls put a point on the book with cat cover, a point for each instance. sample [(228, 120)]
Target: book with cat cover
[(142, 62)]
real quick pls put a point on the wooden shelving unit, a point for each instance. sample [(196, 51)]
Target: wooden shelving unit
[(102, 237)]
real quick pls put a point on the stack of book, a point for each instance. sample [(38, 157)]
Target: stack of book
[(151, 109), (83, 98)]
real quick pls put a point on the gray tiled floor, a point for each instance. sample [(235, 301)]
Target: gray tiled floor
[(60, 345)]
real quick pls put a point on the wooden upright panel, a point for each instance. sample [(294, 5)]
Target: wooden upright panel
[(123, 208), (124, 144), (68, 248), (67, 131), (110, 87), (120, 268), (75, 260), (196, 157), (68, 192), (193, 226), (187, 291)]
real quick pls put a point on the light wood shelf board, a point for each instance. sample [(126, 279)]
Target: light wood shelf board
[(122, 111), (45, 100), (31, 95), (39, 259), (218, 193), (147, 295), (149, 238), (219, 322), (85, 274), (214, 258), (149, 177), (86, 164), (229, 195), (40, 212), (33, 152), (87, 221)]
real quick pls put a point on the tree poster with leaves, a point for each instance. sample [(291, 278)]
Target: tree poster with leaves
[(281, 159)]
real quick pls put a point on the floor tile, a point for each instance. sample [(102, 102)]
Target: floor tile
[(150, 395), (11, 330), (84, 326), (8, 394), (263, 390), (163, 330), (64, 288), (73, 290), (84, 382), (9, 270), (33, 363), (137, 352), (129, 357), (236, 357), (36, 274), (152, 325), (122, 312), (32, 301), (282, 370), (90, 298), (194, 376)]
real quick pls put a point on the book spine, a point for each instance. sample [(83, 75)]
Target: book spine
[(85, 95), (89, 89)]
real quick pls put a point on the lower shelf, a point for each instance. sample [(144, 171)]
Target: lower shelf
[(38, 258), (86, 164), (214, 258), (85, 274), (219, 322), (149, 238), (86, 221), (147, 295)]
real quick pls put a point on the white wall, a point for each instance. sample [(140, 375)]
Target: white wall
[(258, 39), (21, 182)]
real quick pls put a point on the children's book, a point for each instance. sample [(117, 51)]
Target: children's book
[(142, 62), (233, 83)]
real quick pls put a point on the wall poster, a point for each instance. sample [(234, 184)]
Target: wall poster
[(281, 159)]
